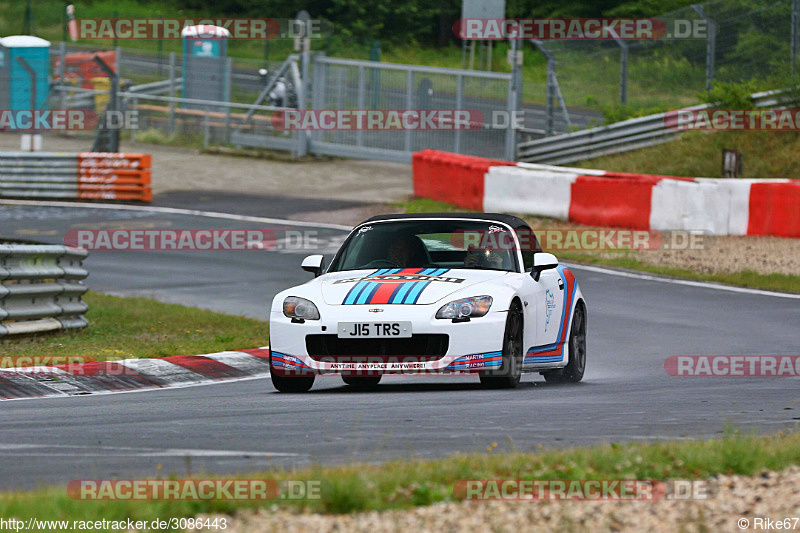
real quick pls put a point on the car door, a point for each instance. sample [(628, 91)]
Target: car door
[(551, 308)]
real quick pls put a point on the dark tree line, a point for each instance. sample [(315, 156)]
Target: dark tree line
[(428, 22)]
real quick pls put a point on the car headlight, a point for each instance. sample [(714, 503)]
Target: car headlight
[(466, 308), (296, 307)]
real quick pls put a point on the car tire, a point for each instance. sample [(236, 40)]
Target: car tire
[(289, 383), (573, 372), (510, 371), (362, 382)]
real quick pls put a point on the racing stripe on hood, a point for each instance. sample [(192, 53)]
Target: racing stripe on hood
[(415, 289), (355, 293), (391, 291)]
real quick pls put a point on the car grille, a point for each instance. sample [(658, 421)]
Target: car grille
[(422, 347)]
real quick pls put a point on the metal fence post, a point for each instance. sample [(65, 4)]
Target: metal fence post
[(459, 104), (514, 98), (228, 75), (409, 105), (711, 45), (108, 140), (135, 110), (795, 20), (623, 72), (550, 86), (302, 98), (171, 93), (319, 75), (550, 89), (360, 103), (62, 69), (205, 131)]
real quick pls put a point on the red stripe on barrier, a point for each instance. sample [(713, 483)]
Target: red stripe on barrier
[(452, 178), (205, 366), (774, 209), (620, 202)]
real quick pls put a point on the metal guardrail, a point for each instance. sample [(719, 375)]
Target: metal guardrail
[(157, 87), (619, 137), (35, 175), (41, 288), (85, 175)]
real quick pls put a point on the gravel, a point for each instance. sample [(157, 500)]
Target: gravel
[(773, 495)]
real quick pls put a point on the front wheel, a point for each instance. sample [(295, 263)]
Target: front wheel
[(289, 383), (510, 371), (573, 372)]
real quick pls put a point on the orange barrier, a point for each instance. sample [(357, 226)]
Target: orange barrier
[(80, 67), (114, 176)]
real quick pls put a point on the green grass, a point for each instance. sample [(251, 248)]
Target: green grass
[(124, 328), (745, 278), (156, 136), (765, 155), (426, 205), (406, 483)]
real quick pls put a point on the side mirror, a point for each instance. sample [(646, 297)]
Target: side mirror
[(542, 261), (313, 264)]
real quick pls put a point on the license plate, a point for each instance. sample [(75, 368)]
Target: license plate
[(374, 330)]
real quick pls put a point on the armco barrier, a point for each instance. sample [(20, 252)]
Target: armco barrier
[(598, 197), (84, 175), (41, 288), (627, 135)]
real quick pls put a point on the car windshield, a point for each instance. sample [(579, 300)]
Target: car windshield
[(429, 244)]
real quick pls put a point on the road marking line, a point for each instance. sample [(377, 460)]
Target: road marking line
[(244, 218), (705, 285), (144, 452), (178, 211)]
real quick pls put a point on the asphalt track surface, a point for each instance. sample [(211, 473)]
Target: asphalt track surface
[(635, 323)]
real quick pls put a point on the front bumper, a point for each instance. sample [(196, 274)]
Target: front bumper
[(470, 346)]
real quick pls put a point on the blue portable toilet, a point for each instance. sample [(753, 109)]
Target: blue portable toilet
[(15, 81), (205, 50)]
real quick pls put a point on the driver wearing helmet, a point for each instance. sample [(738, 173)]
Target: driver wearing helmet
[(486, 258)]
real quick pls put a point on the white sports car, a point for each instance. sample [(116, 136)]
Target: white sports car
[(431, 293)]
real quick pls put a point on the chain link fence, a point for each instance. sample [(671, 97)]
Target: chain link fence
[(587, 83), (152, 85), (739, 41)]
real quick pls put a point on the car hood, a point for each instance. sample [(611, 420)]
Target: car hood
[(399, 286)]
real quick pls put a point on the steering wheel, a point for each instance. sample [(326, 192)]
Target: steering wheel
[(381, 263)]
